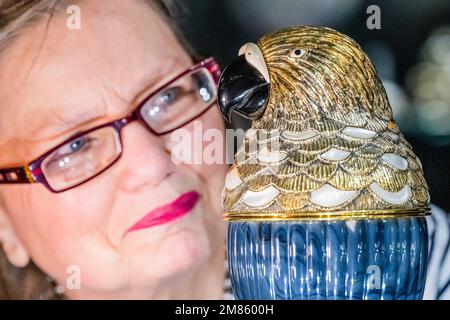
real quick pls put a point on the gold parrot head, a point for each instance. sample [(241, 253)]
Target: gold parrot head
[(323, 142)]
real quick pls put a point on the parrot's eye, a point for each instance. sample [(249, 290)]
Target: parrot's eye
[(297, 53)]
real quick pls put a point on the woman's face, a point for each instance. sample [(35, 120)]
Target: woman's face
[(73, 80)]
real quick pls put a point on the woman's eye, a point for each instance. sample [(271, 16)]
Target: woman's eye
[(169, 95), (75, 150), (74, 146), (297, 53), (77, 144)]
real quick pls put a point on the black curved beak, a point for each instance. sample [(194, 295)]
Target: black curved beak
[(242, 89)]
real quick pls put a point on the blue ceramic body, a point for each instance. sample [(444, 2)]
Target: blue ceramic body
[(378, 259)]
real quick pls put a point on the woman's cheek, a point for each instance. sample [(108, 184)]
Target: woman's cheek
[(200, 144), (34, 214), (59, 223), (41, 232), (214, 147)]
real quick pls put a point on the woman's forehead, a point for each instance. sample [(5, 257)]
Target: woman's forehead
[(114, 56), (114, 45)]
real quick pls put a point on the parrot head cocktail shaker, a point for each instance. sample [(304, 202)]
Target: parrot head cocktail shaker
[(326, 199)]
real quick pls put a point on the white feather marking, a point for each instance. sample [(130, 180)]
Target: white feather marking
[(232, 180), (395, 160), (398, 197), (299, 136), (329, 196), (260, 198), (360, 133), (335, 154)]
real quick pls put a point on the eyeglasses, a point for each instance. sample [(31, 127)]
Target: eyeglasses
[(84, 156)]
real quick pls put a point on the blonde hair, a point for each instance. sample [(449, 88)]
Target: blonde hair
[(17, 15)]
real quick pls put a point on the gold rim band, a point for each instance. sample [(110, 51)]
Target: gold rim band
[(335, 215)]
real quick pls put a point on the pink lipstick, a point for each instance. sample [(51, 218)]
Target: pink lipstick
[(168, 212)]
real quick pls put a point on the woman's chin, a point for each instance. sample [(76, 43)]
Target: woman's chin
[(184, 250), (177, 252)]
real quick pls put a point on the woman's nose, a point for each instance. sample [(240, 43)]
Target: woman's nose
[(145, 161)]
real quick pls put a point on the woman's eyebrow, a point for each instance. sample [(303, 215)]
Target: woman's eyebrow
[(153, 80), (58, 122), (61, 123)]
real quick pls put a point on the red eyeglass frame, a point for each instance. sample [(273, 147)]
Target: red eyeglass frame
[(32, 172)]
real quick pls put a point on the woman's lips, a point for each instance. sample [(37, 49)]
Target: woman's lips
[(168, 212)]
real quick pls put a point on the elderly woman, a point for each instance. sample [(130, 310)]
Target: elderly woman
[(92, 204), (91, 201)]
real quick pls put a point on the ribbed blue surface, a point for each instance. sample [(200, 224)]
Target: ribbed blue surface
[(360, 259)]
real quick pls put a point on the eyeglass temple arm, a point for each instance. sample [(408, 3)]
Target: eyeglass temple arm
[(214, 69), (16, 175)]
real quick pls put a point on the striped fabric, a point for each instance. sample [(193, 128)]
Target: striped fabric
[(438, 275)]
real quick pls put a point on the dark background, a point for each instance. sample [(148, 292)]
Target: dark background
[(411, 52)]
